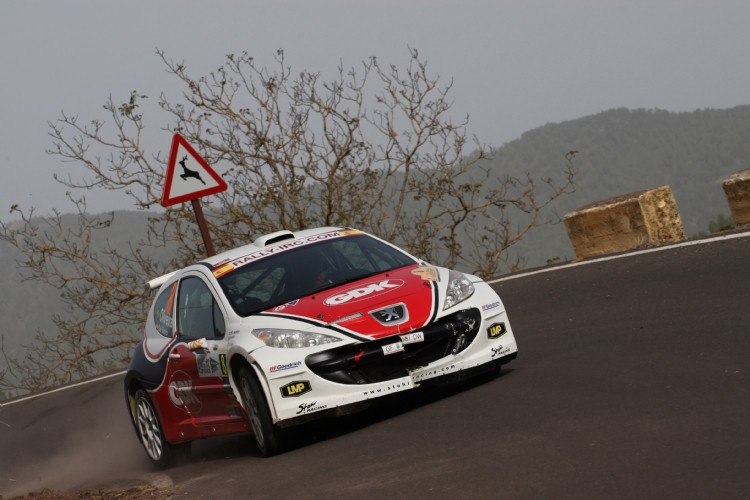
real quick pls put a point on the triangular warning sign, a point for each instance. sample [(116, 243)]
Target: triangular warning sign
[(188, 175)]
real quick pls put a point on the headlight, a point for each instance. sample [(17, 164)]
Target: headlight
[(274, 337), (459, 289)]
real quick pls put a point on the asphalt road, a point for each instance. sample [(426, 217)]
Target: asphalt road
[(632, 381)]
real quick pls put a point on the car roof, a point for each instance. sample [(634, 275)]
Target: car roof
[(265, 241)]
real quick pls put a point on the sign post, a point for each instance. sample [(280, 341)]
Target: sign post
[(195, 179), (198, 210)]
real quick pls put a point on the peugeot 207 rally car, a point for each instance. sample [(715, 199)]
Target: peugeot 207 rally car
[(302, 325)]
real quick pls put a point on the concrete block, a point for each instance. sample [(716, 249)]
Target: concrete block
[(737, 191), (636, 220)]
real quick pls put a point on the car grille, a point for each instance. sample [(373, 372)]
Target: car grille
[(367, 362)]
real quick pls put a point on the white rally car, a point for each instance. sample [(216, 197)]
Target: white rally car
[(301, 325)]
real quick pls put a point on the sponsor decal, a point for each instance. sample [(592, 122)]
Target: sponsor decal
[(435, 372), (411, 338), (285, 366), (395, 387), (284, 306), (363, 291), (393, 348), (306, 408), (487, 307), (181, 393), (427, 273), (164, 322), (496, 330), (206, 366), (295, 388), (499, 351), (209, 366), (288, 245)]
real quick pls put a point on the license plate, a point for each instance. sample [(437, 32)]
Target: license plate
[(393, 348)]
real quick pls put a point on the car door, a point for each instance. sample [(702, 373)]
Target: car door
[(197, 366)]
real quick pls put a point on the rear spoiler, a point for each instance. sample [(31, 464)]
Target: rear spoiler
[(157, 282)]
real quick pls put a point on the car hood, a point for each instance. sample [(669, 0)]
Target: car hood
[(385, 304)]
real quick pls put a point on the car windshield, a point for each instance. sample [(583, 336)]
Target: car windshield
[(299, 272)]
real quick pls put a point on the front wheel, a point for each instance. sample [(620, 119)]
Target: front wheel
[(267, 435), (149, 429)]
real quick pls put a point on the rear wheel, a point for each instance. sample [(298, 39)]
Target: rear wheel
[(267, 435), (149, 429)]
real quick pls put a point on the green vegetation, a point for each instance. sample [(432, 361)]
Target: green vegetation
[(721, 223)]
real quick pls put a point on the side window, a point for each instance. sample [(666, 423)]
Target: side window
[(164, 310), (198, 313)]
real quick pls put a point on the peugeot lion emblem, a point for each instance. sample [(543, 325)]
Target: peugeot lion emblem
[(391, 315)]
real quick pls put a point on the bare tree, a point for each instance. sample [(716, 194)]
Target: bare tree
[(374, 148)]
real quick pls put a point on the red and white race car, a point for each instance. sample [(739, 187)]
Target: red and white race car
[(301, 325)]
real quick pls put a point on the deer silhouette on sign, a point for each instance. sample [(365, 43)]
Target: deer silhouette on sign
[(186, 172)]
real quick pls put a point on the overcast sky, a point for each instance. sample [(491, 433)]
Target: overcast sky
[(516, 65)]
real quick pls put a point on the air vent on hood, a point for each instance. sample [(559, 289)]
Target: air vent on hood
[(272, 238)]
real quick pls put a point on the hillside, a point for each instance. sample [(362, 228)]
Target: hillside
[(28, 306), (619, 151)]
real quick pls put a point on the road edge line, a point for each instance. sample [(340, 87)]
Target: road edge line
[(523, 274), (63, 388)]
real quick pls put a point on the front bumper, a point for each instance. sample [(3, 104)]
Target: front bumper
[(345, 377), (397, 356)]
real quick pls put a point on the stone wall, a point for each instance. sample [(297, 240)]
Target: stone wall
[(737, 191), (636, 220)]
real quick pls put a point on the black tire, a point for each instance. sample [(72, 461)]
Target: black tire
[(150, 431), (267, 435)]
